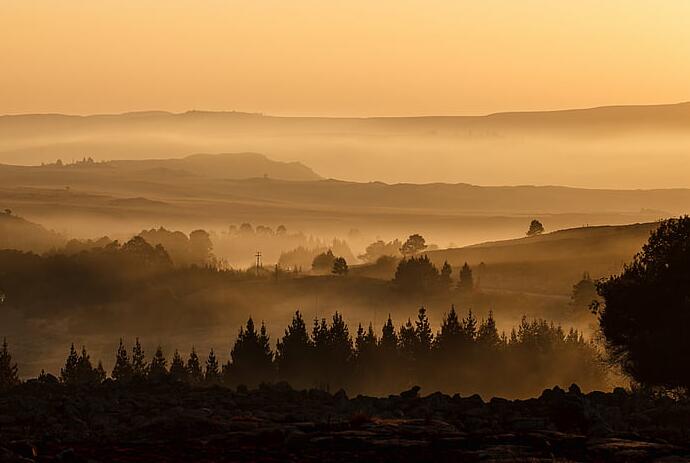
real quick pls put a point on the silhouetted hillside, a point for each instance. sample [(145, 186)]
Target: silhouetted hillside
[(20, 234), (552, 262)]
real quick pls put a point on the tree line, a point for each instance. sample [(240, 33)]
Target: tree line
[(465, 355)]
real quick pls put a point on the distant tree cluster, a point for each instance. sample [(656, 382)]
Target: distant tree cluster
[(466, 354), (380, 248), (417, 274), (195, 249)]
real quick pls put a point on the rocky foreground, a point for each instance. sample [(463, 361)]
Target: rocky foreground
[(147, 423)]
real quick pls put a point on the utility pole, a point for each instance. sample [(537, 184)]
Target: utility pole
[(258, 262)]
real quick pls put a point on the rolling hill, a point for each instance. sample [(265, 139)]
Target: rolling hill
[(622, 146)]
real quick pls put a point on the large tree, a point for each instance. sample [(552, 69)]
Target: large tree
[(645, 316)]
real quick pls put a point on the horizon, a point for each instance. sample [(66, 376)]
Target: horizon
[(320, 116)]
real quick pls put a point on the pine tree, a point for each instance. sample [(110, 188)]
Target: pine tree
[(139, 365), (408, 340), (178, 372), (9, 373), (68, 374), (451, 332), (294, 352), (445, 276), (85, 372), (100, 372), (469, 326), (487, 335), (252, 359), (194, 372), (466, 282), (423, 331), (389, 339), (122, 371), (212, 369), (158, 369)]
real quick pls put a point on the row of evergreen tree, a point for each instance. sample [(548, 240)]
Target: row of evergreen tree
[(466, 354)]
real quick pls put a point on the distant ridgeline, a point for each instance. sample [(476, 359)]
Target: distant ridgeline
[(465, 355)]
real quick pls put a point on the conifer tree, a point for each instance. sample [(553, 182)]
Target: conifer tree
[(451, 331), (389, 339), (252, 359), (294, 352), (122, 371), (85, 372), (139, 366), (158, 369), (469, 326), (423, 331), (466, 281), (487, 335), (9, 373), (408, 340), (212, 374), (178, 372), (68, 374), (100, 372), (194, 372), (445, 277)]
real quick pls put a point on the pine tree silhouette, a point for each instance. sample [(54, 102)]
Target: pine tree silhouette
[(9, 373), (68, 374), (158, 369), (194, 373), (122, 371), (178, 371), (212, 374), (140, 368), (294, 352)]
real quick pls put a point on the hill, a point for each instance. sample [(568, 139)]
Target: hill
[(573, 147), (18, 233), (550, 263)]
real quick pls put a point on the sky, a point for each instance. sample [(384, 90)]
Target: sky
[(340, 58)]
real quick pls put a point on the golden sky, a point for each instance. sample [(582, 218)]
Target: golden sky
[(341, 58)]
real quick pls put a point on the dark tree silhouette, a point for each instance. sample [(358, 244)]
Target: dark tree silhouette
[(445, 277), (413, 245), (122, 371), (68, 373), (451, 334), (323, 262), (332, 351), (584, 293), (158, 370), (194, 373), (389, 340), (425, 337), (339, 266), (294, 352), (139, 366), (487, 334), (379, 249), (535, 228), (645, 317), (78, 369), (251, 357), (178, 371), (212, 374), (466, 281), (416, 275), (9, 373)]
